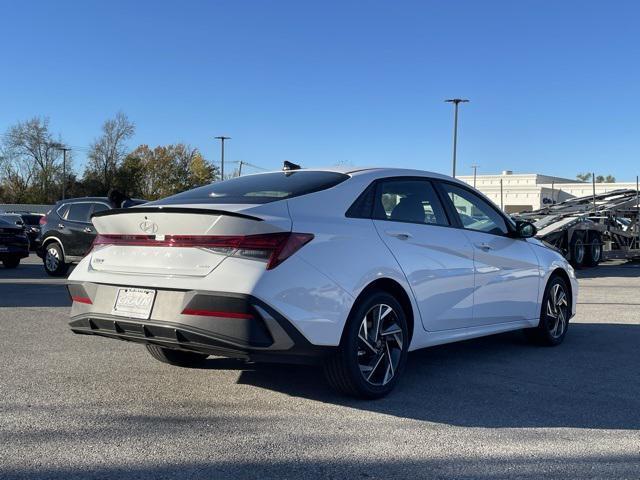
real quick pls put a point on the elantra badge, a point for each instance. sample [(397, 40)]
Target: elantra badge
[(149, 227)]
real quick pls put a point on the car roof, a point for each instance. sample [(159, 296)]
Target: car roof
[(376, 172)]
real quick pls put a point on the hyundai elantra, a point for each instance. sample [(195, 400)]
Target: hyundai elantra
[(347, 268)]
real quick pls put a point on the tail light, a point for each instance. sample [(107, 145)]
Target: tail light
[(273, 248), (43, 220)]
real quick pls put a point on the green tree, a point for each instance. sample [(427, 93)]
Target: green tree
[(162, 171), (583, 177)]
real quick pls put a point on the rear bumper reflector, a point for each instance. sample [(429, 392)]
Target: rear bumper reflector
[(86, 300), (214, 313)]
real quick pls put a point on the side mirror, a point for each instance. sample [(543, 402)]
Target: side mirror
[(525, 229)]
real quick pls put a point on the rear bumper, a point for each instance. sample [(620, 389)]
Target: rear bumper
[(242, 327), (13, 251)]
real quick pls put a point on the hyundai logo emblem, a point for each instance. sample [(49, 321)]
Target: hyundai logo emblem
[(149, 227)]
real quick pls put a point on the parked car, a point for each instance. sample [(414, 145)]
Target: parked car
[(14, 244), (32, 227), (66, 232), (348, 268), (12, 218)]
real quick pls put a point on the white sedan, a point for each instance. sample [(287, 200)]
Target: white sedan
[(351, 268)]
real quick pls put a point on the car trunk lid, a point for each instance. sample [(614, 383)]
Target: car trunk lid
[(181, 240)]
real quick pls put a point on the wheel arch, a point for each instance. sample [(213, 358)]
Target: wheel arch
[(394, 288), (52, 239)]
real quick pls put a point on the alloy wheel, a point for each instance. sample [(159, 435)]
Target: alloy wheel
[(380, 341), (52, 259), (557, 309)]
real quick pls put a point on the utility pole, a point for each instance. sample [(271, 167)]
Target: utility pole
[(637, 211), (64, 150), (456, 102), (501, 198), (475, 172), (240, 169), (593, 183), (222, 138)]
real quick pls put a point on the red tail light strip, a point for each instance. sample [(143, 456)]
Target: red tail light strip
[(213, 313), (280, 245), (86, 300)]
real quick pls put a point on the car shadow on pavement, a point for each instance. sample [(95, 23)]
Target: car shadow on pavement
[(591, 381), (630, 269), (479, 467), (30, 286)]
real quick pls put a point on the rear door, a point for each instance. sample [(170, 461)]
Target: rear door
[(79, 227), (506, 269), (436, 258)]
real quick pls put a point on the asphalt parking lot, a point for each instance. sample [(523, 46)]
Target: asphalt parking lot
[(82, 407)]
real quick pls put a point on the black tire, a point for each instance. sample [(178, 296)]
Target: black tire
[(548, 333), (53, 260), (179, 358), (594, 249), (11, 262), (578, 249), (386, 345)]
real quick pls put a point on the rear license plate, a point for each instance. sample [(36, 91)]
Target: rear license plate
[(134, 303)]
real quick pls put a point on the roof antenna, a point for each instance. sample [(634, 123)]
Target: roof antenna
[(288, 166)]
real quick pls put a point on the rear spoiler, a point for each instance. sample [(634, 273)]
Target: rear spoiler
[(160, 208)]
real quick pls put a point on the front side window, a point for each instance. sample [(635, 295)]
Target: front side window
[(474, 212), (260, 188), (99, 207), (79, 212), (413, 201)]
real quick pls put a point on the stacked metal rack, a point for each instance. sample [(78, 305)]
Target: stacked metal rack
[(592, 228)]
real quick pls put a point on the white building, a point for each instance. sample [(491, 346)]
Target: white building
[(530, 191)]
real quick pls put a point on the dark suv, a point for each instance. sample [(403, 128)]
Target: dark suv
[(14, 244), (32, 226), (67, 233)]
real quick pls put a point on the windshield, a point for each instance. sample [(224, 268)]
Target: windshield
[(260, 188)]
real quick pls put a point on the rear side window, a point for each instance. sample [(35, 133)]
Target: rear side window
[(79, 212), (62, 211), (260, 188), (409, 200)]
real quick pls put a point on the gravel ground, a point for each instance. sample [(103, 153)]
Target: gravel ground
[(83, 407)]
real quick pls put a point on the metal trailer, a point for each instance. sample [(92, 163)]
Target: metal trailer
[(592, 228)]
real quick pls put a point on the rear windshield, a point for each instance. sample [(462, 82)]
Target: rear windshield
[(260, 188), (31, 219)]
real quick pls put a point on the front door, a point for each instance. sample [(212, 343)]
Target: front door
[(436, 258), (507, 274)]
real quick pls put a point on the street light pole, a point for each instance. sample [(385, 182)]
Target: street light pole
[(475, 173), (222, 138), (64, 166), (456, 102)]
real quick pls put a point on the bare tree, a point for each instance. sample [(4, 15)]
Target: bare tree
[(32, 159), (108, 151)]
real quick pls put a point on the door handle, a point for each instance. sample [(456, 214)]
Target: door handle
[(399, 235), (88, 230), (484, 246)]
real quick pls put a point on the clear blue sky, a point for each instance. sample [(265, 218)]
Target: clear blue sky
[(553, 84)]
